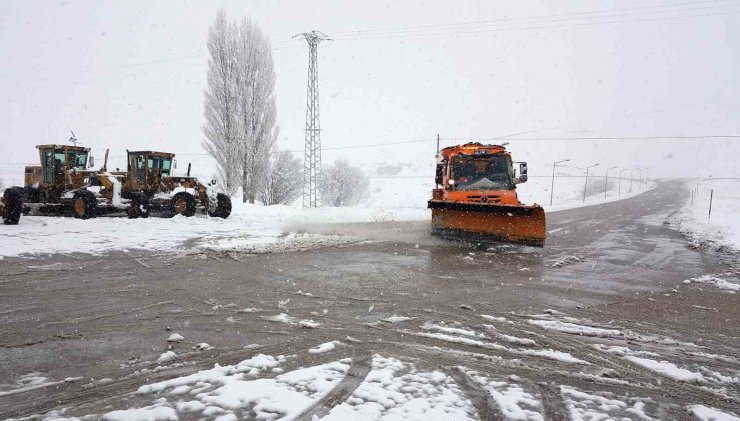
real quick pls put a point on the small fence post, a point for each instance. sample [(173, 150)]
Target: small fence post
[(711, 195)]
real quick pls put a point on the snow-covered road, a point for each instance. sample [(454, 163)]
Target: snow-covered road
[(602, 323)]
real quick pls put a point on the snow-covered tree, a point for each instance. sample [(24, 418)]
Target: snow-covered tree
[(283, 179), (221, 129), (240, 108), (257, 112), (342, 184)]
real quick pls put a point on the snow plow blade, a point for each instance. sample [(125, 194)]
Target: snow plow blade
[(489, 222)]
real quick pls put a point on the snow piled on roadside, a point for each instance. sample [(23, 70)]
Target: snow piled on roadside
[(720, 231), (250, 228)]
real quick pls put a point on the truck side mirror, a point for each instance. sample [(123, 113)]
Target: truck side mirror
[(92, 161), (523, 172)]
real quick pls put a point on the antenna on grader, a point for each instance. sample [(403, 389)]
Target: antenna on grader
[(73, 139)]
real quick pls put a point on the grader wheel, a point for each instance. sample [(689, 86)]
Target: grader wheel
[(139, 207), (85, 205), (13, 201), (183, 203), (223, 207)]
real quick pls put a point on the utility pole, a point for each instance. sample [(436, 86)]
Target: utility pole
[(312, 148), (552, 185), (606, 179), (585, 186)]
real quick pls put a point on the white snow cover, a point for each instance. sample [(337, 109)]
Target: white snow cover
[(395, 390), (576, 328), (396, 319), (543, 353), (166, 357), (513, 401), (325, 347), (175, 337), (222, 391), (290, 320), (706, 413), (31, 381), (585, 407), (723, 228), (667, 369), (157, 412), (720, 283)]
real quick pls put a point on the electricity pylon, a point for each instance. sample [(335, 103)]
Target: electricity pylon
[(312, 149)]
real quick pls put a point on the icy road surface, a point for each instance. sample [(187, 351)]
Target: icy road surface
[(616, 318)]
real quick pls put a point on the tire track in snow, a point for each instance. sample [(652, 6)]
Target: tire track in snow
[(552, 403), (358, 371), (482, 401)]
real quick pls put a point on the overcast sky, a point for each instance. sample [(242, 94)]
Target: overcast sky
[(131, 74)]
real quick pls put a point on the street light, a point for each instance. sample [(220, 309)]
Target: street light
[(606, 179), (632, 177), (552, 186), (646, 175), (585, 185), (620, 179)]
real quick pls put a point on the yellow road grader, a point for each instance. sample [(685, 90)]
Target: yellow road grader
[(64, 184)]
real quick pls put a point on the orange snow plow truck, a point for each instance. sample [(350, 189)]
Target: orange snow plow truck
[(475, 197)]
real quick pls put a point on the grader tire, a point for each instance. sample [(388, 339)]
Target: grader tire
[(139, 207), (84, 205), (223, 207), (13, 200), (183, 203)]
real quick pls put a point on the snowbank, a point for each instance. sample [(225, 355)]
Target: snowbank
[(264, 229), (722, 230)]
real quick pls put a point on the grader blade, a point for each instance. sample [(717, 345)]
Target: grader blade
[(488, 222)]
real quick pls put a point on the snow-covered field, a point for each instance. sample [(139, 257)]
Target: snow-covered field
[(259, 229), (722, 229)]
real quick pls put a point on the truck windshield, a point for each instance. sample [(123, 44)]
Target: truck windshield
[(482, 172)]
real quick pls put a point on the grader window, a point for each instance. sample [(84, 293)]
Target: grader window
[(77, 159), (162, 165), (139, 166)]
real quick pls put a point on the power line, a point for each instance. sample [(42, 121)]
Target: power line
[(462, 25), (473, 139), (448, 33)]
